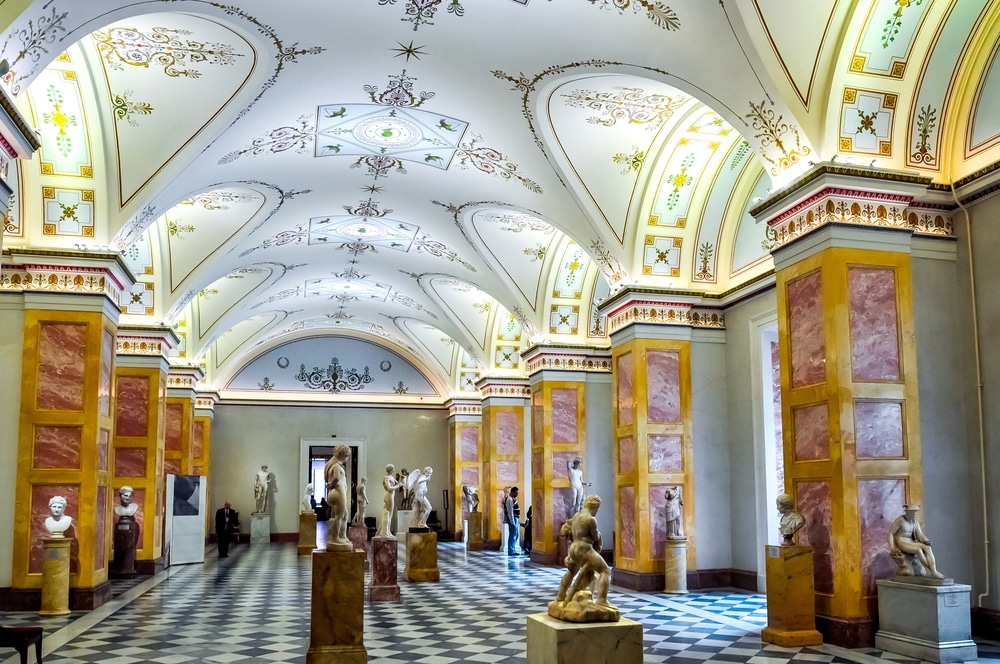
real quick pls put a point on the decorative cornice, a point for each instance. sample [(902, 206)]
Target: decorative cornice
[(650, 307), (492, 386), (151, 340), (184, 377), (206, 401), (464, 407), (560, 357), (20, 140), (88, 272)]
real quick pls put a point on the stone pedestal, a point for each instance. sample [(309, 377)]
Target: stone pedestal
[(474, 534), (552, 641), (358, 534), (385, 585), (422, 557), (927, 622), (260, 528), (336, 625), (676, 567), (403, 518), (307, 533), (125, 540), (55, 576), (791, 599)]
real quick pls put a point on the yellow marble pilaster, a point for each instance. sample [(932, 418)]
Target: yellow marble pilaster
[(181, 398), (201, 446), (464, 456), (504, 401)]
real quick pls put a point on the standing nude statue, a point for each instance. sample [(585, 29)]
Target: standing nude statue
[(907, 543), (362, 495), (576, 483), (391, 486), (335, 473), (261, 484)]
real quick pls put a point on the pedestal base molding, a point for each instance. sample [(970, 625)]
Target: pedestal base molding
[(336, 625), (552, 641), (336, 655), (149, 567), (846, 632), (421, 557), (931, 623)]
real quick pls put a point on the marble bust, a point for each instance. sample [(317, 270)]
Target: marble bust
[(307, 499), (910, 548), (675, 518), (391, 486), (59, 522), (791, 521), (472, 495), (261, 486), (361, 493), (417, 483), (583, 590), (125, 507)]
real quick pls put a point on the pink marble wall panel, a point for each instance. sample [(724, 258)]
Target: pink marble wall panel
[(171, 466), (40, 496), (104, 385), (101, 542), (878, 428), (138, 498), (564, 416), (538, 517), (499, 510), (198, 440), (880, 501), (626, 395), (779, 446), (506, 432), (132, 406), (470, 476), (663, 380), (61, 355), (874, 325), (469, 444), (560, 464), (537, 468), (507, 472), (537, 424), (103, 438), (130, 462), (658, 519), (626, 454), (174, 416), (810, 425), (664, 453), (814, 503), (562, 508), (806, 330), (626, 516), (57, 447)]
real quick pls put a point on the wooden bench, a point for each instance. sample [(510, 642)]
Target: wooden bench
[(20, 638)]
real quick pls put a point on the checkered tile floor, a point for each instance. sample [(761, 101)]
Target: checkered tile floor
[(253, 607)]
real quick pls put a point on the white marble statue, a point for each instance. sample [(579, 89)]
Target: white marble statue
[(125, 506), (261, 489), (675, 517), (361, 493), (910, 548), (391, 486), (335, 473), (583, 591), (472, 495), (417, 483), (791, 521), (576, 483), (59, 522), (307, 499), (405, 492)]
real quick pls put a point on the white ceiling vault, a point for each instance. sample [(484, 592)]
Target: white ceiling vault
[(433, 185)]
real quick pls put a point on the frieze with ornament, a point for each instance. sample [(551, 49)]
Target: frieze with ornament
[(465, 409), (76, 280), (490, 388), (544, 362), (662, 313), (188, 381), (125, 346)]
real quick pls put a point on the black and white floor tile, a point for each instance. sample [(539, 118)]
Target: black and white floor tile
[(253, 607)]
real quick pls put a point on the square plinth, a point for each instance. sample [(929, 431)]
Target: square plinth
[(474, 532), (260, 528), (338, 601), (307, 533), (422, 557), (932, 623), (552, 641), (384, 586), (791, 600)]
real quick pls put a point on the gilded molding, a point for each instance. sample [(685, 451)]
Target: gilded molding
[(664, 313), (90, 281), (149, 341), (140, 347), (184, 377), (503, 387), (545, 357), (464, 408)]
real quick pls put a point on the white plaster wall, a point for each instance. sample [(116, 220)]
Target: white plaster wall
[(713, 522), (244, 437), (600, 452), (11, 350)]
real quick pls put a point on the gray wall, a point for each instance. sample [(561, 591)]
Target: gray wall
[(11, 352), (600, 461)]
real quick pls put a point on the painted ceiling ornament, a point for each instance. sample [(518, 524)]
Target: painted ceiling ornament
[(491, 161), (299, 137), (420, 12), (379, 166), (633, 161), (657, 12), (612, 268), (923, 150), (34, 39), (780, 144), (126, 109), (399, 92), (334, 378), (296, 235), (626, 104), (162, 47), (895, 22), (516, 222), (526, 325), (281, 295), (439, 249), (220, 199)]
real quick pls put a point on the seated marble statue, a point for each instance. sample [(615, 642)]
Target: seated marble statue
[(362, 501), (307, 500), (59, 522), (910, 548), (417, 483), (583, 591), (472, 495), (391, 486), (335, 473), (791, 521), (125, 507)]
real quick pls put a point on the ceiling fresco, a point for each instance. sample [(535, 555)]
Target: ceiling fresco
[(441, 184)]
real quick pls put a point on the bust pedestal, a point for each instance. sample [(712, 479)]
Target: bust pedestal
[(385, 584), (676, 566), (551, 640), (125, 540), (474, 536), (55, 576), (307, 533), (422, 557), (925, 621), (791, 599), (260, 528), (336, 625)]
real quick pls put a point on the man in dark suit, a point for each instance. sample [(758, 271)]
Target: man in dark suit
[(226, 520)]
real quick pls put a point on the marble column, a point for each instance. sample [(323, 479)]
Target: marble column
[(201, 447), (141, 386), (181, 398), (464, 424), (504, 402), (849, 384)]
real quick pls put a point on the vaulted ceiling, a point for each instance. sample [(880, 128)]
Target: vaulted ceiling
[(312, 189)]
